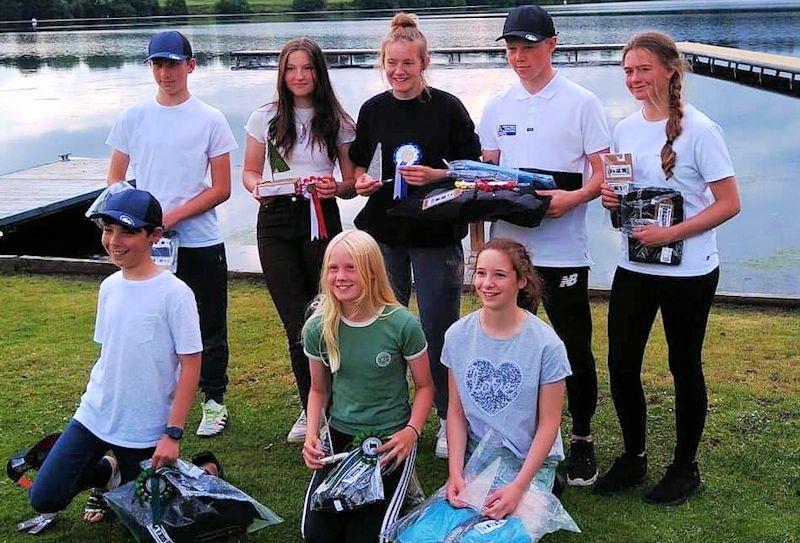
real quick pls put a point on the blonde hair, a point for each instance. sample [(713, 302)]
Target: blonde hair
[(376, 290), (405, 27), (664, 49)]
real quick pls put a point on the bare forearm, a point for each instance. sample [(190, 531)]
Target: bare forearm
[(250, 179), (540, 448), (421, 406), (317, 400), (457, 437), (186, 390), (711, 217)]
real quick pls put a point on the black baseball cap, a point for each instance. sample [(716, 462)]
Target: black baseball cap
[(529, 22), (131, 208), (170, 45)]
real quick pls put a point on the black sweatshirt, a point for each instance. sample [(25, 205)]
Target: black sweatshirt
[(439, 125)]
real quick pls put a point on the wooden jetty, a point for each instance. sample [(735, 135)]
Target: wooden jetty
[(778, 73), (368, 58), (42, 208)]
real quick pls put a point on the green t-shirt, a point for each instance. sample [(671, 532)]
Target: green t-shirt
[(370, 390)]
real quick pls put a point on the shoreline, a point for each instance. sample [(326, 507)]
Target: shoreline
[(61, 266), (280, 13)]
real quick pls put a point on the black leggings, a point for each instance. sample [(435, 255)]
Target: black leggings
[(685, 303), (566, 300), (362, 525)]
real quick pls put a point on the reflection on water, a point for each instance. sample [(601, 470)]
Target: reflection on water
[(54, 110), (774, 32)]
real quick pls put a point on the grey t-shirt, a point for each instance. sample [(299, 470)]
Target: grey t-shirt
[(498, 380)]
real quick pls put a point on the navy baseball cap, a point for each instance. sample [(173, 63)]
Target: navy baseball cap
[(131, 208), (170, 45), (530, 23)]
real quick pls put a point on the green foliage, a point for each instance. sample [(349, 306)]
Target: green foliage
[(309, 5), (376, 4), (232, 6), (45, 9), (174, 7), (10, 10)]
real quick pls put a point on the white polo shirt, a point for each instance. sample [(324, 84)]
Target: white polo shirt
[(554, 129)]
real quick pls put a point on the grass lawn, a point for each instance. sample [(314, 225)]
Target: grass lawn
[(750, 456)]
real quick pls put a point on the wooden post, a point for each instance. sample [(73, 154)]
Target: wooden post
[(477, 238)]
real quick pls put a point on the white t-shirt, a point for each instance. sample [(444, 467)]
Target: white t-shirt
[(702, 158), (554, 129), (170, 148), (141, 326), (304, 160), (498, 380)]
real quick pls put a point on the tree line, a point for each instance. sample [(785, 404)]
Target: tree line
[(16, 10)]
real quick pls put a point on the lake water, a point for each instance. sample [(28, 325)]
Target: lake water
[(62, 91)]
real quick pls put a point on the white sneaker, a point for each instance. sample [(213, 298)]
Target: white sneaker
[(441, 440), (215, 417), (298, 432)]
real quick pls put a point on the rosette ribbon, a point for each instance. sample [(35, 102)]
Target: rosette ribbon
[(307, 187)]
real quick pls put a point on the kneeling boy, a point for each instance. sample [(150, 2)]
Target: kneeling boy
[(143, 385)]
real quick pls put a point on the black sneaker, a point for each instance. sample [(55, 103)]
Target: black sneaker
[(678, 483), (627, 471), (581, 465)]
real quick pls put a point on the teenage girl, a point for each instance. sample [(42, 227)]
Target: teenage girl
[(676, 146), (360, 342), (313, 132), (417, 126), (507, 374)]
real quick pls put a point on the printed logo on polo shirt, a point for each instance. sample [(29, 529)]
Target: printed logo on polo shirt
[(126, 219), (568, 280), (383, 359), (491, 387), (506, 130)]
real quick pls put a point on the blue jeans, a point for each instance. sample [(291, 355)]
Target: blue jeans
[(439, 278), (76, 463)]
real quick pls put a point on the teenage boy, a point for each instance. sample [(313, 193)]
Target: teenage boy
[(171, 142), (143, 385), (549, 124)]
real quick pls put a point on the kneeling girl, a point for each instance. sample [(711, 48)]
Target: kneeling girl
[(507, 371), (360, 342)]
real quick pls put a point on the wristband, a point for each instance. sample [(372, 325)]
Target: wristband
[(415, 430)]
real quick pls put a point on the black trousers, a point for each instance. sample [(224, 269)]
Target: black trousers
[(362, 525), (205, 270), (566, 300), (291, 264), (685, 303)]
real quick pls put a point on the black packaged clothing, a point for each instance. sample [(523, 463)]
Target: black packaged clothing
[(643, 206), (438, 125)]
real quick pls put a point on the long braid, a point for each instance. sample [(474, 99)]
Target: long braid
[(674, 127)]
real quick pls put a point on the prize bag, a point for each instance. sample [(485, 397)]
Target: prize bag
[(356, 481), (490, 467), (186, 504)]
